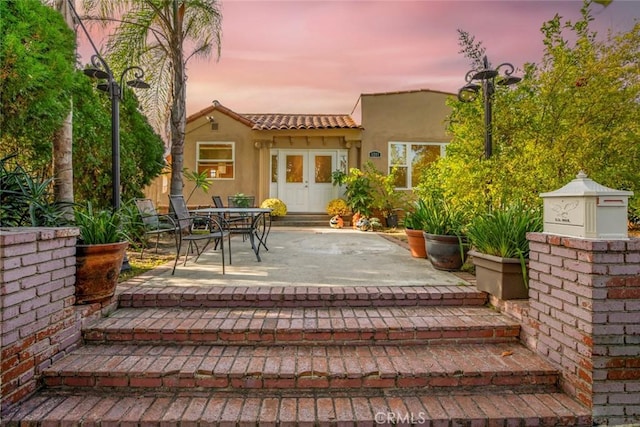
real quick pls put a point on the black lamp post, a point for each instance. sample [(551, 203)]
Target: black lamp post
[(488, 78), (101, 70)]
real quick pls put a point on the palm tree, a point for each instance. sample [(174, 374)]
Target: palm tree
[(161, 36), (63, 142)]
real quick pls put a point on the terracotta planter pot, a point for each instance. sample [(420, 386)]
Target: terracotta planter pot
[(415, 239), (501, 277), (445, 252), (97, 271)]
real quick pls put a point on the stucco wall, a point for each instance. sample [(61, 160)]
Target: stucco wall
[(416, 116), (252, 156), (246, 157)]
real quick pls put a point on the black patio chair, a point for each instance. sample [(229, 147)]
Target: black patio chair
[(195, 228), (154, 223)]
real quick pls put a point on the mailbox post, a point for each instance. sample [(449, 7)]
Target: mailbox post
[(583, 208)]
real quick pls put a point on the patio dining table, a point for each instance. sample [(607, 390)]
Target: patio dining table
[(257, 227)]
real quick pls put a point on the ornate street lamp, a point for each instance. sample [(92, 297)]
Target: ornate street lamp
[(488, 78), (101, 70)]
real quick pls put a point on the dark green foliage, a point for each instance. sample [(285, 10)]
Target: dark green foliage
[(37, 81), (141, 149), (37, 56), (25, 200), (99, 226)]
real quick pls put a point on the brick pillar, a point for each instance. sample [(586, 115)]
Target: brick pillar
[(584, 311), (38, 320)]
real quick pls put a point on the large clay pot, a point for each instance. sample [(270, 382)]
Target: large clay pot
[(446, 252), (415, 239), (97, 271)]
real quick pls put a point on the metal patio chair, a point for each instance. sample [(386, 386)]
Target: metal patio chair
[(154, 223), (194, 229)]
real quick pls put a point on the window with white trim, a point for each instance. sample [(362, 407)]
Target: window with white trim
[(409, 158), (217, 159)]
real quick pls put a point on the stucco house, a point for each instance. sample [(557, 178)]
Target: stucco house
[(292, 156)]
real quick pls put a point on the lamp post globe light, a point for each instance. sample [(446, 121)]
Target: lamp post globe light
[(101, 70), (486, 79)]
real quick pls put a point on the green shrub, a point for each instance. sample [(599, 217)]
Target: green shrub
[(440, 217), (503, 232), (25, 200), (100, 227)]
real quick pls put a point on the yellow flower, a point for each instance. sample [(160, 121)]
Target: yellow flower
[(277, 206)]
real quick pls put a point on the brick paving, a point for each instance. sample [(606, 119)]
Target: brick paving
[(192, 296), (205, 367), (353, 325), (357, 409)]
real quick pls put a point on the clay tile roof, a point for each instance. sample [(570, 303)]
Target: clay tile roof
[(300, 121)]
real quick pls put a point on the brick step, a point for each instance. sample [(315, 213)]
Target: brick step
[(301, 220), (280, 326), (300, 296), (483, 409), (174, 367)]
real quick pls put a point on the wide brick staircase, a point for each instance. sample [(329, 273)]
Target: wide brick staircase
[(430, 355)]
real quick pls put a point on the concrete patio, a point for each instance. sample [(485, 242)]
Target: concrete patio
[(321, 257)]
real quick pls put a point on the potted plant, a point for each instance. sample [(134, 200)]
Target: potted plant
[(277, 206), (385, 197), (443, 227), (99, 253), (413, 225), (240, 200), (358, 191), (500, 250)]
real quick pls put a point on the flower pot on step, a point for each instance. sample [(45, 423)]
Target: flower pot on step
[(501, 277)]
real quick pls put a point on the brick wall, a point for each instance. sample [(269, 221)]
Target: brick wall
[(584, 316), (39, 322)]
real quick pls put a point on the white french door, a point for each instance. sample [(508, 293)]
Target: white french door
[(304, 179)]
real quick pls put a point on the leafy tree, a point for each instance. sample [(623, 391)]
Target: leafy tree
[(39, 78), (37, 56), (141, 149), (577, 110), (162, 36)]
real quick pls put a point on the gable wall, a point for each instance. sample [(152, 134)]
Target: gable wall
[(246, 157)]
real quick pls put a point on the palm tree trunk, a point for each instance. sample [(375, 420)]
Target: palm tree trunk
[(178, 108), (63, 143)]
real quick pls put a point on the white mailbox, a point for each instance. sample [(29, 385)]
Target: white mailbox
[(584, 208)]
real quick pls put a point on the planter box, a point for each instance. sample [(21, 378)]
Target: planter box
[(501, 277)]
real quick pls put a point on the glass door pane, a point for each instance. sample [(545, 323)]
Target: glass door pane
[(294, 168), (323, 165)]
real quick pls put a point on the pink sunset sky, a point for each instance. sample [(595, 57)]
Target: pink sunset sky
[(308, 56)]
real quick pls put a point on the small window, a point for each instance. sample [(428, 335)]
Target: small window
[(217, 159), (410, 158)]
